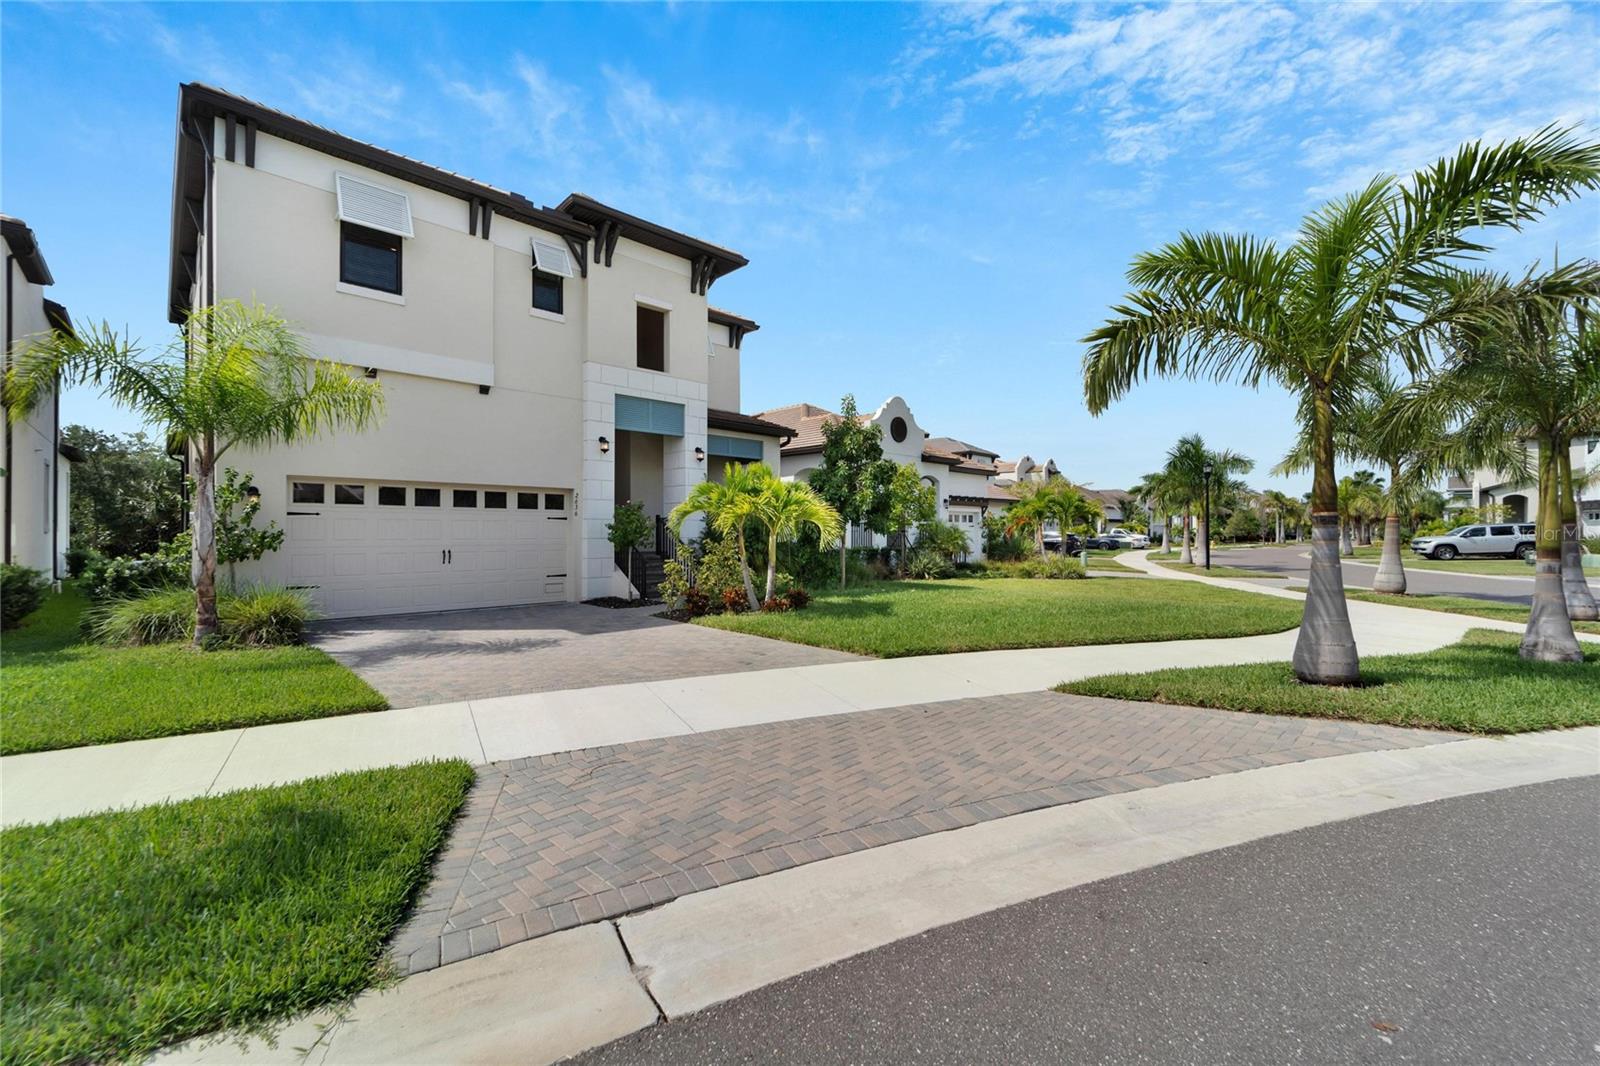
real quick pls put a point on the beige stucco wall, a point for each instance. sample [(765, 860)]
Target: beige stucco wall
[(37, 535), (723, 372)]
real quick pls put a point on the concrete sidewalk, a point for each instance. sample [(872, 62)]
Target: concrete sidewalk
[(550, 998), (48, 785)]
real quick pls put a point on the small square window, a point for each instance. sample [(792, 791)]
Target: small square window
[(349, 494), (527, 501), (547, 292), (425, 497), (554, 501), (464, 498), (369, 258), (307, 492), (391, 496), (495, 500)]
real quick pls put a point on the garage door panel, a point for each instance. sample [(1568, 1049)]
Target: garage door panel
[(371, 559)]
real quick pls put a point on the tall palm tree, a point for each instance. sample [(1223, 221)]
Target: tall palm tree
[(1069, 508), (727, 506), (1280, 505), (1353, 288), (1155, 491), (1185, 470), (1030, 513), (785, 507), (1521, 366), (1581, 605), (236, 375)]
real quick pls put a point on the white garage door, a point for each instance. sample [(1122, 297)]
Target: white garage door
[(389, 548)]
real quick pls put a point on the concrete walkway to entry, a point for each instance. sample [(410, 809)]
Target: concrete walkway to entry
[(48, 785)]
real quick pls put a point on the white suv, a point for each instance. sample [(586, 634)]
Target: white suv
[(1512, 539)]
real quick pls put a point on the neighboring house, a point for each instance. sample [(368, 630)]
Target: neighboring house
[(960, 473), (539, 365), (37, 481), (1520, 496), (1115, 504)]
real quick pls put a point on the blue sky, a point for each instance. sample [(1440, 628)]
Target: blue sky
[(936, 201)]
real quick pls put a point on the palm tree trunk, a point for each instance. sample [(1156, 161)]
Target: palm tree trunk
[(1166, 534), (744, 571), (1346, 541), (772, 566), (205, 549), (1391, 576), (1325, 650), (1187, 558), (1549, 637), (1581, 604)]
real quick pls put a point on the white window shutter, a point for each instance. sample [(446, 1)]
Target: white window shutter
[(552, 258), (373, 206)]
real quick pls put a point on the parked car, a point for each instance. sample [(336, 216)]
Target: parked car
[(1513, 539), (1139, 539), (1115, 538), (1055, 542)]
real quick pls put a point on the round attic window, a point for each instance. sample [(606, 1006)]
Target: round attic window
[(897, 429)]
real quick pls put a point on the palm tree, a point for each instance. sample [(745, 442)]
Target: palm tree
[(1352, 289), (785, 507), (1521, 366), (1030, 513), (1186, 474), (1280, 505), (727, 505), (1069, 508), (1155, 491), (236, 375)]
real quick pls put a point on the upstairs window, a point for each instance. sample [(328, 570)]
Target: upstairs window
[(547, 292), (551, 264), (369, 258), (652, 339)]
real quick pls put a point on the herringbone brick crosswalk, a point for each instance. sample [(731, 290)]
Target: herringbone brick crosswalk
[(560, 840)]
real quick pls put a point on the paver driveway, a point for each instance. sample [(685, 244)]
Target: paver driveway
[(420, 659), (557, 840)]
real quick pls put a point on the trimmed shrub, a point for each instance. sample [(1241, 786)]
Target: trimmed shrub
[(1058, 567), (158, 617), (774, 605), (733, 600), (117, 579), (928, 565), (696, 603), (799, 598), (21, 593), (79, 559), (264, 616)]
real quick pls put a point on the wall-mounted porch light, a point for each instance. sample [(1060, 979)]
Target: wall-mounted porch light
[(252, 494), (699, 455), (372, 372), (605, 445)]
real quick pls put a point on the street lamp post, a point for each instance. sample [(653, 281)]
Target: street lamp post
[(1205, 472)]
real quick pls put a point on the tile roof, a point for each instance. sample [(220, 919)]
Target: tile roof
[(733, 420)]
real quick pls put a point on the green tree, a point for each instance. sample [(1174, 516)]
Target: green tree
[(1185, 476), (1028, 516), (236, 375), (1354, 288), (911, 502), (854, 477), (626, 531), (1523, 366), (127, 496), (785, 507), (727, 505)]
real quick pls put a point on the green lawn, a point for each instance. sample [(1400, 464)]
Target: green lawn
[(1217, 570), (895, 618), (1505, 612), (124, 932), (1505, 567), (1478, 686), (62, 693)]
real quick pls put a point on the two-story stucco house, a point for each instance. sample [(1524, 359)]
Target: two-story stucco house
[(539, 364), (37, 467), (1519, 496), (960, 473)]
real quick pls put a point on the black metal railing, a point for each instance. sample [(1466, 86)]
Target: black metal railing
[(664, 538), (630, 563)]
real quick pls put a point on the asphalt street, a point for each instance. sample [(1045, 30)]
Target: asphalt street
[(1291, 560), (1463, 931)]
